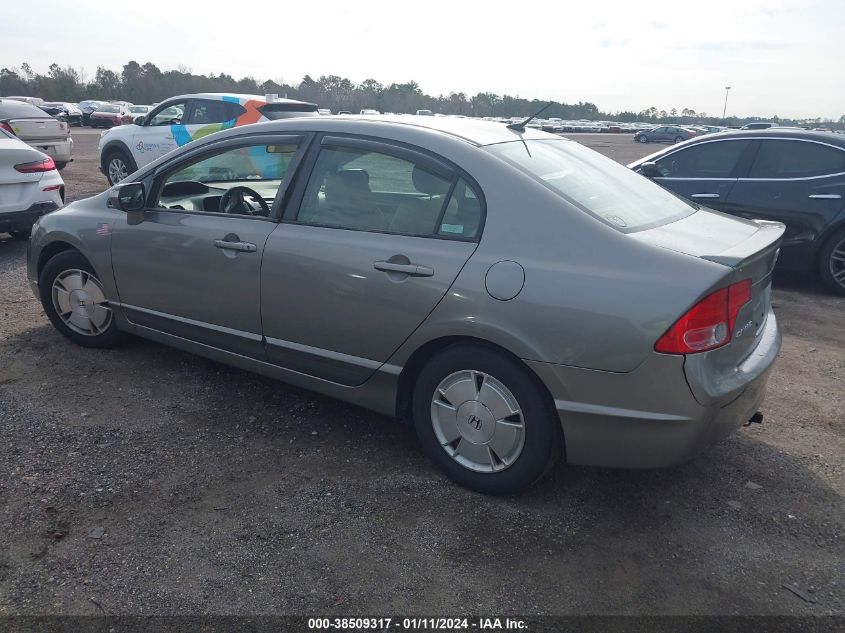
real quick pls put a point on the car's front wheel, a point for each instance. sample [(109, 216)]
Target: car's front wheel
[(642, 138), (118, 166), (485, 420), (75, 302), (832, 262)]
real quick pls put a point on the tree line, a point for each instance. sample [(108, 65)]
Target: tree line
[(145, 84)]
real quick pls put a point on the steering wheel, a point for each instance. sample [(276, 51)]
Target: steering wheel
[(234, 201)]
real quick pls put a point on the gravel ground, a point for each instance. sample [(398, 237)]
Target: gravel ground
[(149, 481)]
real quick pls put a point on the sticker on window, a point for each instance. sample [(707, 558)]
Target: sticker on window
[(451, 228)]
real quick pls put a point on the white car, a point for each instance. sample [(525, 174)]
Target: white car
[(180, 120), (30, 186), (37, 128), (139, 110)]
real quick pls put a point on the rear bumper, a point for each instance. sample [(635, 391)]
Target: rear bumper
[(649, 418), (23, 220), (59, 151)]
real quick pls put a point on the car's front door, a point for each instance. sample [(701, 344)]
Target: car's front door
[(370, 244), (189, 265), (704, 172), (155, 137), (798, 182)]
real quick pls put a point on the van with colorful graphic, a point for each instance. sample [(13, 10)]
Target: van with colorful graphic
[(179, 120)]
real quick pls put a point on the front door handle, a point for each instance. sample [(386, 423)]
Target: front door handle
[(414, 270), (825, 196), (705, 195), (241, 247)]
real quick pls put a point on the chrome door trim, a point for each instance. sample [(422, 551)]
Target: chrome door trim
[(825, 196), (705, 195)]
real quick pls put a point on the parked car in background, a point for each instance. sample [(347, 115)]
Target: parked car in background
[(425, 113), (87, 108), (139, 110), (110, 115), (30, 186), (36, 101), (758, 125), (402, 280), (791, 176), (664, 134), (369, 111), (180, 120), (66, 111), (37, 128), (324, 111)]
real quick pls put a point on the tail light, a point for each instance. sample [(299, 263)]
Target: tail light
[(5, 126), (708, 324), (36, 166)]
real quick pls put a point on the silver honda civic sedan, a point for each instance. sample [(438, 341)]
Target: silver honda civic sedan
[(514, 295)]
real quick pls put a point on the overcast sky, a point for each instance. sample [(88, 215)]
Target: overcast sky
[(781, 57)]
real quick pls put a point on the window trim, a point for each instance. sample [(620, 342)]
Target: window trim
[(398, 149), (160, 174)]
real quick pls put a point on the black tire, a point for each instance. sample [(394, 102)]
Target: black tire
[(543, 435), (64, 261), (22, 234), (678, 139), (827, 265), (642, 138), (121, 155), (60, 165)]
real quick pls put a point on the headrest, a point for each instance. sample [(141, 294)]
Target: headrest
[(428, 183), (352, 179)]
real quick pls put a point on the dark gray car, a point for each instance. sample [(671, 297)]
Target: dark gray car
[(664, 134), (791, 176), (515, 295)]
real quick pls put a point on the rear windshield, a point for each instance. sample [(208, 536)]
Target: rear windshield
[(109, 108), (19, 110), (596, 184), (274, 111)]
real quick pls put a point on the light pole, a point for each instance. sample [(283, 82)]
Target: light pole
[(725, 109)]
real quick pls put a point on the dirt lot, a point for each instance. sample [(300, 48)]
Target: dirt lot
[(148, 481)]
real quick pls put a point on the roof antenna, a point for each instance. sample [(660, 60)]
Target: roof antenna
[(520, 127)]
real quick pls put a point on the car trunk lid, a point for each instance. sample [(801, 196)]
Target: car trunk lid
[(39, 129), (748, 249)]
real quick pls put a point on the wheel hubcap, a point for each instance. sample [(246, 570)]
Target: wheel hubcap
[(478, 421), (81, 303), (117, 170), (837, 263)]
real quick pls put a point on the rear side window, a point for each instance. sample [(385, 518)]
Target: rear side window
[(214, 112), (716, 159), (594, 183), (796, 159), (274, 111)]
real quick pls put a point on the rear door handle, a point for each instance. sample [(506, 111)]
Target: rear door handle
[(705, 195), (241, 247), (414, 270), (825, 196)]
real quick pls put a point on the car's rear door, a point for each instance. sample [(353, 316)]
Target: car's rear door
[(799, 182), (372, 240), (704, 172)]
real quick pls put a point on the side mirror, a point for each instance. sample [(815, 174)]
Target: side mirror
[(650, 170), (128, 197), (139, 120)]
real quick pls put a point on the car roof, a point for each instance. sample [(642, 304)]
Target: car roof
[(220, 96), (775, 132)]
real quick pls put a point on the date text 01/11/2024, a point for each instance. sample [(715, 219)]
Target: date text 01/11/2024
[(417, 624)]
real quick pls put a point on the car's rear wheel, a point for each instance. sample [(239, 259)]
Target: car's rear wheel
[(118, 166), (832, 262), (485, 420), (75, 302), (61, 164)]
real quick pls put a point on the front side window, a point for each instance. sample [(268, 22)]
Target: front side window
[(371, 191), (796, 159), (214, 112), (594, 183), (239, 181), (170, 115), (716, 159)]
